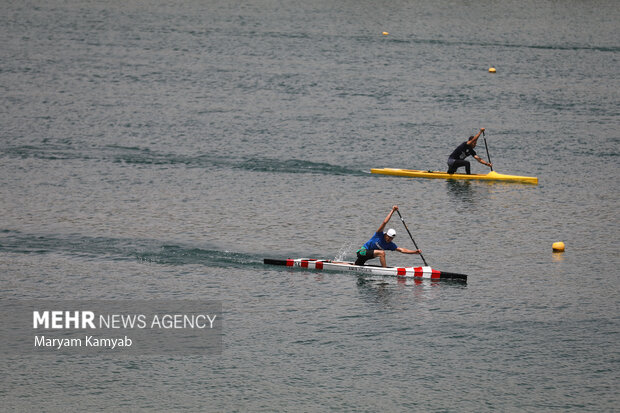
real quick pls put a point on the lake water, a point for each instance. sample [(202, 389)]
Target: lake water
[(153, 150)]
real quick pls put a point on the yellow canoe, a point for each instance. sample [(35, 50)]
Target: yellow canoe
[(491, 176)]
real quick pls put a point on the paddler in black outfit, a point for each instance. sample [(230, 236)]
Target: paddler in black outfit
[(457, 157)]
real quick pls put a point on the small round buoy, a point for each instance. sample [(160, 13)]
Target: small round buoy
[(385, 33), (492, 70), (558, 247)]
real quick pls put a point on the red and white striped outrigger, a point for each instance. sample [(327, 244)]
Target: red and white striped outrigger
[(409, 272)]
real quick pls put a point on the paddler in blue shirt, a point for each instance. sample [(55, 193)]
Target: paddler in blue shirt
[(457, 157), (380, 242)]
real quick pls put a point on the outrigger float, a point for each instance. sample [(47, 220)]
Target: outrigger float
[(408, 272)]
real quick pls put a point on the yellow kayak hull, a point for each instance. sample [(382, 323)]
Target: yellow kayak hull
[(491, 176)]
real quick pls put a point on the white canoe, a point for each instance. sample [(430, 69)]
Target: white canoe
[(409, 272)]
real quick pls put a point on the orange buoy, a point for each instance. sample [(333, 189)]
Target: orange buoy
[(558, 246)]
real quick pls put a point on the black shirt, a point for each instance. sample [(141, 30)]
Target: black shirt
[(462, 151)]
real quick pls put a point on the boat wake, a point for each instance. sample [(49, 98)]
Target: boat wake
[(144, 156), (120, 249)]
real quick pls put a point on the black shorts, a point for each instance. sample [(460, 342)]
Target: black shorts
[(454, 164), (364, 255)]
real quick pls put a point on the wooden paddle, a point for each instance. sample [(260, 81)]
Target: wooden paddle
[(414, 243), (486, 147)]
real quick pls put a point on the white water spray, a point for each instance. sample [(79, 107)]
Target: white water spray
[(345, 250)]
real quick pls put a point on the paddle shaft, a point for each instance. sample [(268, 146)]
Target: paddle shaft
[(486, 147), (414, 243)]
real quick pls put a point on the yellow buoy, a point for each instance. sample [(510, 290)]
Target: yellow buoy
[(385, 33), (558, 247), (492, 70)]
